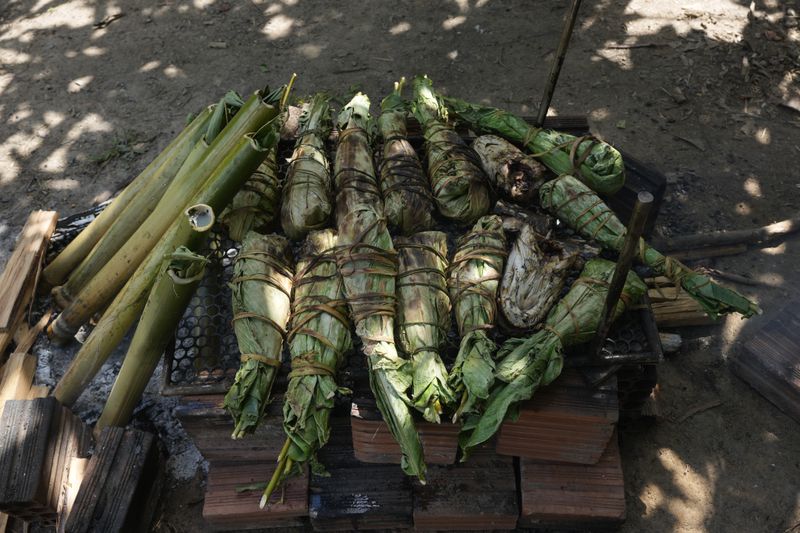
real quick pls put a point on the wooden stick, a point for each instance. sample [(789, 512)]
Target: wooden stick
[(25, 342), (722, 238), (18, 281), (705, 253)]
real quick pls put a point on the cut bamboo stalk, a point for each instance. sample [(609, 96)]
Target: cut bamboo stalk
[(165, 305), (230, 148), (220, 188), (132, 218), (75, 252), (18, 281)]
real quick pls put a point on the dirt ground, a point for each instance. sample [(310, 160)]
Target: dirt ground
[(702, 90)]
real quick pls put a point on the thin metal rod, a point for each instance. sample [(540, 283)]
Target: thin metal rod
[(558, 61), (641, 209)]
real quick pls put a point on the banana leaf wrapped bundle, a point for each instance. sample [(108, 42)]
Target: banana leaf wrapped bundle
[(459, 185), (368, 263), (255, 205), (307, 201), (580, 208), (423, 317), (318, 340), (408, 202), (475, 273), (536, 271), (598, 164), (261, 295), (513, 174), (528, 364)]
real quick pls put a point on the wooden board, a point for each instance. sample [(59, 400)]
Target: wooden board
[(17, 377), (118, 484), (567, 496), (210, 426), (374, 443), (770, 360), (478, 495), (26, 429), (226, 509), (357, 496), (18, 281), (567, 422)]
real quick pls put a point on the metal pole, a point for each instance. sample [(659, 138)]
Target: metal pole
[(641, 209), (558, 61)]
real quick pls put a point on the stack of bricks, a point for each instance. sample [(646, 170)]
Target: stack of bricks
[(234, 464), (570, 466)]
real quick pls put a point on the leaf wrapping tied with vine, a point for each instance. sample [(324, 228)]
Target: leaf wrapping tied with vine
[(474, 276), (368, 263), (598, 164), (580, 208), (423, 318), (406, 192), (261, 298), (525, 365)]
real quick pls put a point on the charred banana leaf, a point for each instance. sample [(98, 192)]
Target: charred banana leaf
[(318, 340), (475, 274), (368, 263), (407, 198), (513, 174), (580, 208), (423, 317), (536, 271), (261, 295), (528, 364), (307, 201), (255, 205), (459, 185)]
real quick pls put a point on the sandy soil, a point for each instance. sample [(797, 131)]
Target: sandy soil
[(696, 88)]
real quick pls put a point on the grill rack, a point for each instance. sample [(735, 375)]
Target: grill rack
[(204, 356)]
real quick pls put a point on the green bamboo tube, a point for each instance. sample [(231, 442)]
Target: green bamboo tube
[(171, 292), (112, 276), (161, 170), (138, 211), (118, 234), (220, 188)]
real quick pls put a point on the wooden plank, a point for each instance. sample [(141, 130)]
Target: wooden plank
[(94, 481), (374, 443), (17, 377), (226, 508), (210, 426), (26, 428), (567, 496), (567, 422), (26, 342), (477, 495), (117, 485), (18, 281), (356, 495), (770, 360), (76, 469)]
